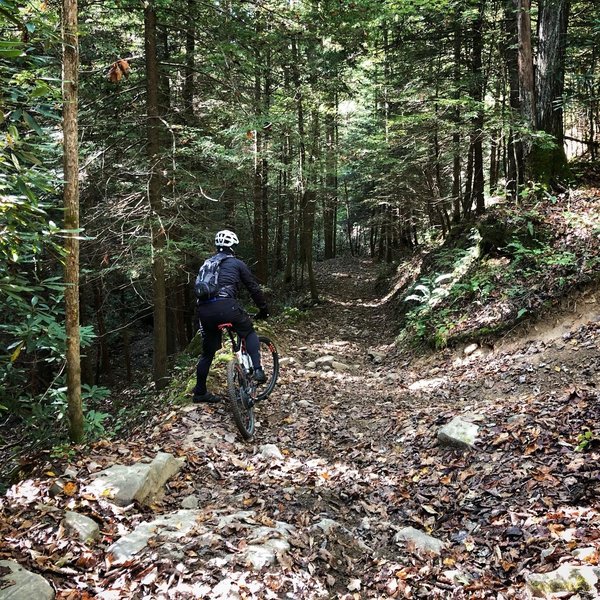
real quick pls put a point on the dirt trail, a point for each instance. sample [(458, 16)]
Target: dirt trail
[(360, 448), (346, 454)]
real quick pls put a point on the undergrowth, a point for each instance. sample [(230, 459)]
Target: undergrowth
[(510, 266)]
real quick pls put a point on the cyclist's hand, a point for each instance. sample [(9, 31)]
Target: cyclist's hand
[(263, 313)]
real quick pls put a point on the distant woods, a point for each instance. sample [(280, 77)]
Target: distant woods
[(310, 128)]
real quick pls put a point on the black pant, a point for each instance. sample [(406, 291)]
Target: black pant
[(209, 316)]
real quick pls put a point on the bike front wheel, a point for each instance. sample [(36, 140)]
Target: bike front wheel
[(240, 400), (270, 364)]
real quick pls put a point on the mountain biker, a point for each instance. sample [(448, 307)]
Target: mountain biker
[(224, 308)]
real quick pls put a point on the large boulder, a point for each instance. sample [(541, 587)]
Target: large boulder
[(142, 481), (265, 543), (17, 583)]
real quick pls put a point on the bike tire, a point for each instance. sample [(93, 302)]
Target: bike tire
[(243, 413), (270, 363)]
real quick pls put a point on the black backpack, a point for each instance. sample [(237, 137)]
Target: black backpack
[(207, 281)]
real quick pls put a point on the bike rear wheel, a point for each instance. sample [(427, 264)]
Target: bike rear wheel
[(270, 364), (240, 402)]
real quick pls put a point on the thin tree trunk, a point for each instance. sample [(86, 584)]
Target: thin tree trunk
[(103, 358), (514, 148), (190, 62), (71, 204), (456, 160), (155, 200), (330, 196), (477, 137)]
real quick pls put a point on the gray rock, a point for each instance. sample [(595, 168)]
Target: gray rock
[(169, 527), (567, 578), (324, 361), (421, 540), (311, 365), (264, 555), (266, 544), (470, 349), (190, 502), (141, 481), (327, 525), (375, 355), (21, 584), (340, 366), (427, 384), (270, 451), (83, 527), (287, 360), (71, 472), (458, 434)]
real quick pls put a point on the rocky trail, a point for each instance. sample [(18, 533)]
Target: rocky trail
[(373, 474)]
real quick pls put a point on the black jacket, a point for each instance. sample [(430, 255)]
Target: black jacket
[(234, 272)]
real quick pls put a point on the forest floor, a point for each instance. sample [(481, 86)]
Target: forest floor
[(360, 460)]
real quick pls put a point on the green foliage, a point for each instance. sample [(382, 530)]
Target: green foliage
[(430, 291), (45, 416), (293, 314), (585, 440)]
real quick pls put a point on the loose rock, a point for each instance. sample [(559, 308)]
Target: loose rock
[(86, 529), (21, 584), (421, 540), (458, 434)]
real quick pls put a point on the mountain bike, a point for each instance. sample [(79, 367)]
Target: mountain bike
[(243, 390)]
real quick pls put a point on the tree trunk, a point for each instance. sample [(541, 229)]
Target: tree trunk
[(514, 148), (71, 203), (301, 216), (526, 77), (103, 356), (477, 135), (456, 159), (330, 196), (190, 63), (309, 204), (159, 370), (550, 164)]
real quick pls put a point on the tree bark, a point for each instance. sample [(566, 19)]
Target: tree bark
[(514, 147), (456, 158), (553, 18), (477, 134), (190, 63), (155, 199), (330, 196), (71, 204), (526, 78)]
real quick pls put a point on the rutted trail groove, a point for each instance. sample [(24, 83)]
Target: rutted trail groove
[(346, 491)]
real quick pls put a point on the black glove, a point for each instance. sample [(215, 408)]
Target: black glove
[(263, 313)]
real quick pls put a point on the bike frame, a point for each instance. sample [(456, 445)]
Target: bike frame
[(238, 345)]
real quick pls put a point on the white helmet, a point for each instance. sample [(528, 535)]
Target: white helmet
[(226, 239)]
